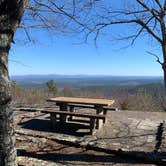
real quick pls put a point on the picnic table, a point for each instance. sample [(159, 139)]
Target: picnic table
[(67, 105)]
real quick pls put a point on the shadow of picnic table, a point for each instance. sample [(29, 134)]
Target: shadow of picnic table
[(70, 128)]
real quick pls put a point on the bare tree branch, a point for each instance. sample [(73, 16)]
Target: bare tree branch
[(159, 4), (152, 11), (149, 30), (157, 57)]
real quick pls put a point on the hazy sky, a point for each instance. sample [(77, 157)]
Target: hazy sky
[(61, 55)]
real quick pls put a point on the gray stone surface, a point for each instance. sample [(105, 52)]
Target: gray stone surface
[(133, 131), (126, 132)]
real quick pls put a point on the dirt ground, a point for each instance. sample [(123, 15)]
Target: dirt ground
[(133, 132)]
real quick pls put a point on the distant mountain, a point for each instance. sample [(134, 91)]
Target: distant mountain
[(83, 81), (55, 76)]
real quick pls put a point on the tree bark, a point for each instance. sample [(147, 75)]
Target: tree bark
[(163, 45), (164, 61), (10, 15), (7, 139), (164, 71)]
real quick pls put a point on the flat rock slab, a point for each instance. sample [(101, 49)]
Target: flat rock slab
[(133, 131), (126, 132)]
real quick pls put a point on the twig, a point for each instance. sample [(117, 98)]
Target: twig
[(158, 59)]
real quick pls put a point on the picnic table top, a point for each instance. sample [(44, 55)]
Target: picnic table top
[(88, 101)]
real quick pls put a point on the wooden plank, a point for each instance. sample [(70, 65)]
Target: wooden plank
[(30, 109), (33, 109), (89, 101), (110, 108), (92, 107), (75, 114), (81, 105)]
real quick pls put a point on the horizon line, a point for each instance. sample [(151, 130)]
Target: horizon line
[(88, 75)]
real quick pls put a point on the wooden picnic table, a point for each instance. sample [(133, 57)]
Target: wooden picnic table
[(88, 101), (64, 103)]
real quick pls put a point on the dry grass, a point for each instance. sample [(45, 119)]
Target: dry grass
[(125, 101)]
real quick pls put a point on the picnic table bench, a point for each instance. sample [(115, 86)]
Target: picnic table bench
[(105, 108), (93, 118), (67, 105)]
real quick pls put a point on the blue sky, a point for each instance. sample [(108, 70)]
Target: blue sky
[(61, 55)]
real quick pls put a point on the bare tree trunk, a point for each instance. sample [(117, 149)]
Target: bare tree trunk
[(164, 70), (10, 15), (7, 139), (164, 63)]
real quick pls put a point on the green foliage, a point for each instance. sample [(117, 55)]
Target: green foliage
[(52, 87)]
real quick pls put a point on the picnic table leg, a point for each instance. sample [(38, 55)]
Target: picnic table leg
[(99, 110), (104, 113), (92, 123), (53, 119), (71, 109), (63, 107)]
